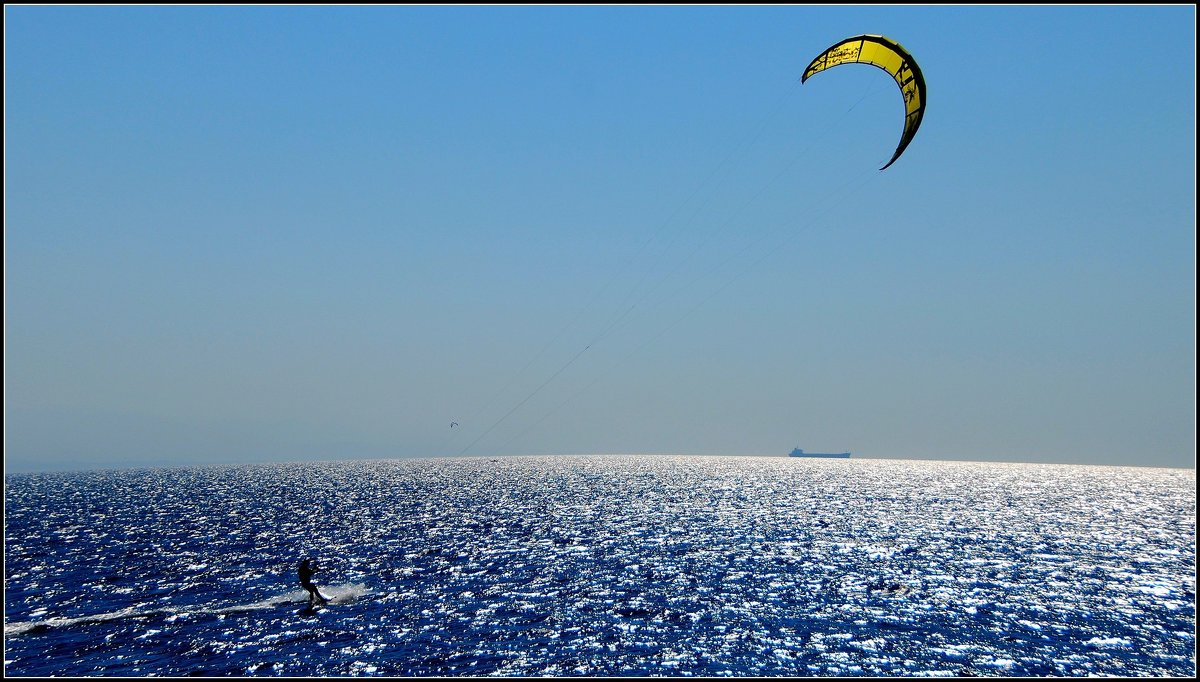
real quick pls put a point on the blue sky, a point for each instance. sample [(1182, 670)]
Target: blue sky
[(243, 234)]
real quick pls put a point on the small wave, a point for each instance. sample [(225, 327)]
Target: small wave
[(337, 594), (342, 594), (21, 628), (1108, 642)]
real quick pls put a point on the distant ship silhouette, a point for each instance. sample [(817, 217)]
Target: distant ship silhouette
[(835, 455)]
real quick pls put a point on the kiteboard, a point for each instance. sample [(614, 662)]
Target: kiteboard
[(335, 594)]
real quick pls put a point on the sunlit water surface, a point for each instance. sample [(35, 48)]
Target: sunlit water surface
[(604, 565)]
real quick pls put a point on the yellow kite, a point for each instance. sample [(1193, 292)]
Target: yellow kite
[(888, 55)]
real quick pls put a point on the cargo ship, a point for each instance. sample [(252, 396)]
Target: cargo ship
[(828, 455)]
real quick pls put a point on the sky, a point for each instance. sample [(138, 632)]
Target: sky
[(241, 234)]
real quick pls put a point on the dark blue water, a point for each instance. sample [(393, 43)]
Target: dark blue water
[(604, 566)]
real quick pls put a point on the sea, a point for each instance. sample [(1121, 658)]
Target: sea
[(606, 565)]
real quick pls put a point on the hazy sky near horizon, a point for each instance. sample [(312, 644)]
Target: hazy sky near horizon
[(243, 234)]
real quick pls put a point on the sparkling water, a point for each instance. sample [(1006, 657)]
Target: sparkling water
[(604, 565)]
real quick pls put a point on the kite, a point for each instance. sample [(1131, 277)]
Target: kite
[(888, 55)]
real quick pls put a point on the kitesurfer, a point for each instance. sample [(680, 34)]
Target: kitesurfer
[(306, 573)]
